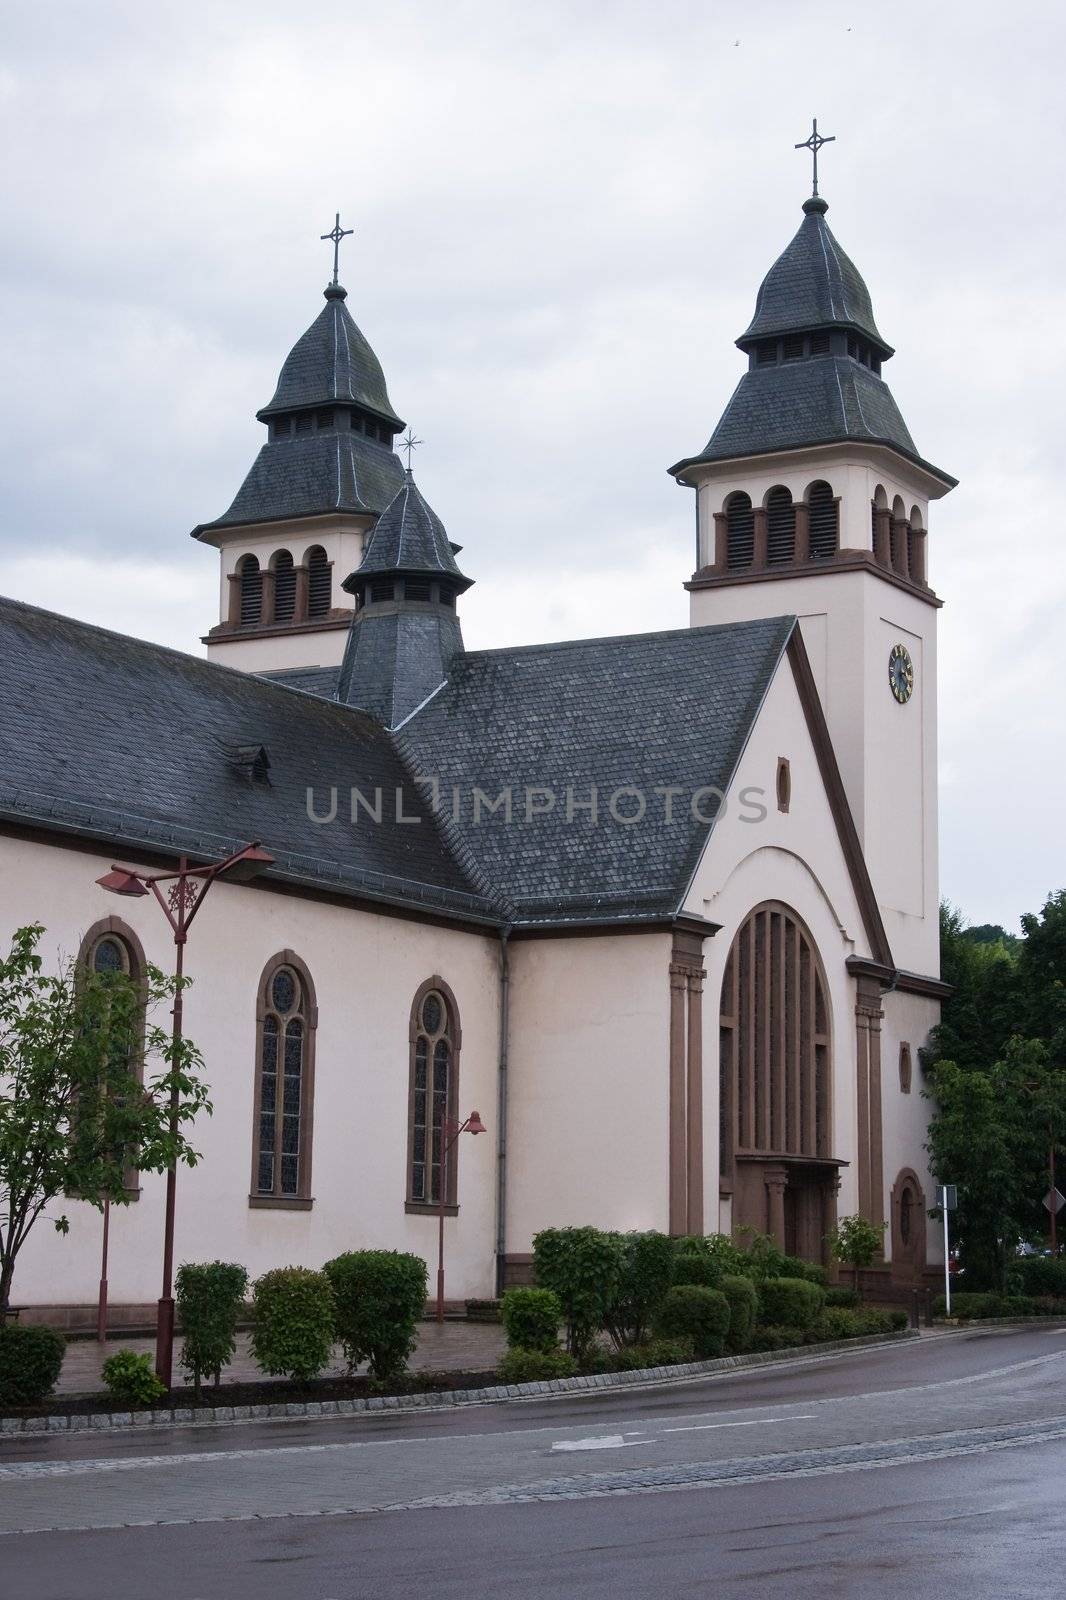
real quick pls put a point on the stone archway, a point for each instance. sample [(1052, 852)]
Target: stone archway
[(908, 1225)]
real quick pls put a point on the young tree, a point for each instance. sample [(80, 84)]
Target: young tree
[(80, 1103), (856, 1242)]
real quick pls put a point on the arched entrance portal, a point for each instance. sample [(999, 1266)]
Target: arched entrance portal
[(776, 1077)]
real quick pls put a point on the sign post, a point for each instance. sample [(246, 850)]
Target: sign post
[(947, 1198)]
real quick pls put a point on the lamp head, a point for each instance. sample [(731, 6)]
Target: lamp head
[(474, 1124), (119, 881), (252, 860)]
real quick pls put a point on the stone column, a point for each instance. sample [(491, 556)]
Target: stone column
[(868, 1015), (678, 1143), (803, 531), (899, 540), (760, 559), (776, 1180), (234, 599), (266, 612), (721, 542), (883, 536), (695, 1102), (918, 554), (299, 613)]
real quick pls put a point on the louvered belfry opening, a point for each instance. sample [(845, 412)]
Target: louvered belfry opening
[(284, 587), (780, 527), (823, 521), (319, 583), (251, 592), (740, 526), (775, 1060)]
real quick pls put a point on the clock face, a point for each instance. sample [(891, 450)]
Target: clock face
[(901, 673)]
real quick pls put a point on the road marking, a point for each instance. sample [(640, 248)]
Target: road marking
[(604, 1441), (756, 1422)]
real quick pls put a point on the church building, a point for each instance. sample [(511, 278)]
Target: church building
[(662, 907)]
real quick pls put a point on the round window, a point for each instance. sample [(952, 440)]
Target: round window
[(432, 1013), (283, 990), (109, 956)]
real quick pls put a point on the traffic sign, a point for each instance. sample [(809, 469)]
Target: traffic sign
[(1055, 1201)]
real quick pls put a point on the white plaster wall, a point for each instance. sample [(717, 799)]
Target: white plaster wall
[(366, 968), (794, 857), (323, 648), (588, 1122), (909, 1018)]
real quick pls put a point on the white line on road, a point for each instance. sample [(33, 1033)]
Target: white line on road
[(603, 1441), (756, 1422)]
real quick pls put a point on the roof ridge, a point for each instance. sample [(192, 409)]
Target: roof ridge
[(631, 638)]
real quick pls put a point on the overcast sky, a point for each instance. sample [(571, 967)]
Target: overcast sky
[(562, 214)]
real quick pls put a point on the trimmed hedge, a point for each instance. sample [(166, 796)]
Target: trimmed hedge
[(378, 1297), (130, 1379), (531, 1319), (697, 1266), (292, 1336), (838, 1298), (1042, 1275), (697, 1315), (811, 1271), (838, 1322), (966, 1306), (535, 1366), (789, 1302), (31, 1360), (769, 1336), (210, 1298), (645, 1273), (583, 1266), (743, 1302), (653, 1353)]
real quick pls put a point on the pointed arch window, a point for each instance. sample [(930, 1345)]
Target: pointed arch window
[(823, 512), (251, 592), (284, 587), (780, 526), (433, 1095), (111, 949), (287, 1018), (319, 582), (740, 530)]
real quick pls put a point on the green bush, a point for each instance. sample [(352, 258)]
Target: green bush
[(743, 1308), (697, 1266), (839, 1298), (378, 1297), (695, 1314), (652, 1353), (31, 1360), (789, 1302), (1042, 1275), (531, 1319), (796, 1267), (967, 1306), (583, 1266), (210, 1296), (840, 1322), (535, 1366), (292, 1333), (646, 1268), (763, 1258), (769, 1336), (130, 1379)]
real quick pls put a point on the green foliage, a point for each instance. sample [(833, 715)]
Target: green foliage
[(292, 1335), (769, 1336), (966, 1306), (981, 1013), (210, 1296), (856, 1242), (812, 1271), (743, 1300), (483, 1310), (839, 1298), (840, 1322), (531, 1319), (646, 1269), (583, 1266), (1041, 1275), (1042, 976), (789, 1302), (652, 1353), (74, 1116), (130, 1379), (535, 1366), (763, 1257), (31, 1360), (696, 1315), (697, 1266), (378, 1297)]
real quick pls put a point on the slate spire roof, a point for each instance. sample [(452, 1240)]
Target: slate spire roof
[(410, 537), (331, 429), (815, 354)]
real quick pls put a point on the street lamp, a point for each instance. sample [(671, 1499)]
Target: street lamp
[(473, 1124), (181, 901)]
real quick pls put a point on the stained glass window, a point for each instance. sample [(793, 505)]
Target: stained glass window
[(110, 956), (432, 1099), (282, 1087)]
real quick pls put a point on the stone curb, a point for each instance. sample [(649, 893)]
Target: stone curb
[(215, 1416)]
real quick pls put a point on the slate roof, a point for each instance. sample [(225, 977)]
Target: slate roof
[(110, 738), (813, 284), (641, 711), (395, 658), (332, 361), (822, 400), (311, 473), (409, 537)]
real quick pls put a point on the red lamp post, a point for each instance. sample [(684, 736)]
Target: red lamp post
[(181, 901), (473, 1124)]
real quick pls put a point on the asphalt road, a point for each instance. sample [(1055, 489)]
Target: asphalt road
[(934, 1467)]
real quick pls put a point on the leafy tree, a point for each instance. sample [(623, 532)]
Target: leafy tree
[(74, 1115), (857, 1242), (1042, 976), (984, 1008)]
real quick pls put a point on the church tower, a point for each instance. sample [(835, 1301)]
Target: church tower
[(302, 518), (812, 499)]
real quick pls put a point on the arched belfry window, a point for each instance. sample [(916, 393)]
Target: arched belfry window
[(284, 587), (433, 1094), (740, 530), (111, 949), (822, 510), (286, 1020), (251, 592), (775, 1047), (780, 526), (319, 582)]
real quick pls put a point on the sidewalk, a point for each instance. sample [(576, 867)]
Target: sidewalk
[(453, 1345)]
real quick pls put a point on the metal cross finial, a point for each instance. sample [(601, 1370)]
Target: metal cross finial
[(337, 233), (814, 144), (409, 443)]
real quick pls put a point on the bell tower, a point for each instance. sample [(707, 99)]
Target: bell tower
[(812, 500)]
